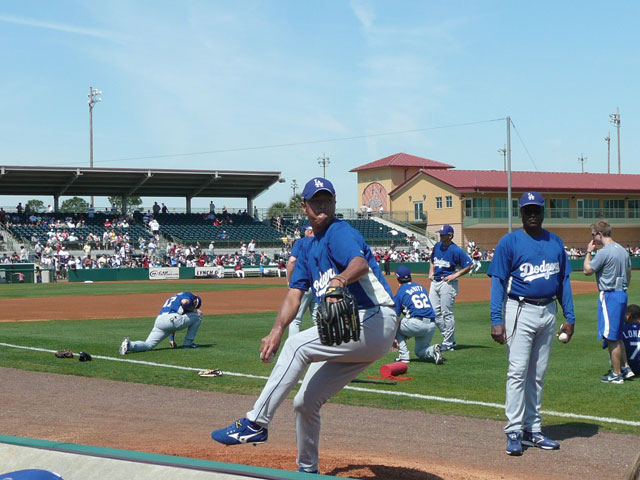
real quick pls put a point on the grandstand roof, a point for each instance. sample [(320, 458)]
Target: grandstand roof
[(492, 180), (143, 182), (402, 160)]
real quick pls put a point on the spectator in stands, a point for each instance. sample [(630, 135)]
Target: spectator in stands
[(156, 208), (251, 248), (224, 235), (164, 208), (237, 269), (27, 209), (154, 226), (369, 211), (49, 209), (88, 262), (24, 255), (381, 210), (19, 208), (114, 210), (91, 212)]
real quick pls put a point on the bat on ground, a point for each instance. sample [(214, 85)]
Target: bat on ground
[(377, 382)]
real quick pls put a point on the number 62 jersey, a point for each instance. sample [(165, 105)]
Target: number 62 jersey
[(414, 300)]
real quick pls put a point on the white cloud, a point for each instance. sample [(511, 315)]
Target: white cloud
[(61, 27), (363, 12)]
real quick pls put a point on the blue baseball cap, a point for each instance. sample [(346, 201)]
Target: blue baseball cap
[(446, 230), (197, 302), (403, 273), (531, 198), (316, 185)]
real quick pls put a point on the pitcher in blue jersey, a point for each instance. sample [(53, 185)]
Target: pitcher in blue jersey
[(180, 311), (336, 256), (529, 272), (417, 319), (448, 262)]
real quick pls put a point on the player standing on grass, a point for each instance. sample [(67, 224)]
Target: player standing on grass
[(612, 267), (337, 258), (446, 257), (529, 271)]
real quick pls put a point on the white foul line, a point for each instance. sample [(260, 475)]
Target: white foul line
[(359, 389)]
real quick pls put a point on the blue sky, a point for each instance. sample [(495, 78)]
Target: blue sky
[(182, 78)]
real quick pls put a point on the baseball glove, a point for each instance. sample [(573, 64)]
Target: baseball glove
[(339, 321), (210, 373), (66, 353)]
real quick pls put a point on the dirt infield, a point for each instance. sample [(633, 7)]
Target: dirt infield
[(356, 442), (223, 302)]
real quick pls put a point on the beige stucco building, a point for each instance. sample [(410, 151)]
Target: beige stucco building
[(429, 194)]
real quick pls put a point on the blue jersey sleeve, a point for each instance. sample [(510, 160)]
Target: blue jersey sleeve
[(300, 276), (565, 295), (398, 301), (298, 246)]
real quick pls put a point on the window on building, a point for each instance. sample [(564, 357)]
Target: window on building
[(613, 208), (418, 211), (478, 207), (449, 200), (589, 208), (438, 202), (558, 208), (515, 207), (634, 208), (500, 209)]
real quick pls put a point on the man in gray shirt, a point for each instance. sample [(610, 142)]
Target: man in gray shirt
[(612, 267)]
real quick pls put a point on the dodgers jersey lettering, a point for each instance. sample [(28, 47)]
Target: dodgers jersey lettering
[(173, 304), (328, 254), (445, 259), (630, 333), (412, 297), (532, 268)]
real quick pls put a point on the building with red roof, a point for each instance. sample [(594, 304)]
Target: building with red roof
[(429, 194)]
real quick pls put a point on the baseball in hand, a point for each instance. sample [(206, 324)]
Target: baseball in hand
[(271, 358), (563, 337)]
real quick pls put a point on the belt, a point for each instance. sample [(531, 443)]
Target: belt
[(540, 302), (425, 319), (438, 279)]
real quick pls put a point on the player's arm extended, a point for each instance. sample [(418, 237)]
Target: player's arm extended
[(356, 268), (286, 314)]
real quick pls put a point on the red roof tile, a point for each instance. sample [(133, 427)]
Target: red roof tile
[(402, 160), (493, 180)]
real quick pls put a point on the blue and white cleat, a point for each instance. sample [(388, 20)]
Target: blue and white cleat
[(241, 431), (538, 439), (191, 345), (627, 373), (613, 378), (514, 444), (302, 470), (124, 346)]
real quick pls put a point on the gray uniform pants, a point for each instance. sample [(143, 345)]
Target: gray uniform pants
[(443, 295), (330, 369), (308, 302), (420, 328), (528, 351), (165, 325)]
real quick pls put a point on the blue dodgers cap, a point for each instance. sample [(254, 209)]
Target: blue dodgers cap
[(403, 273), (198, 302), (316, 185), (531, 198), (446, 230)]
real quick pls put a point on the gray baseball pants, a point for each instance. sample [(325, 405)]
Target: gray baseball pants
[(422, 330), (442, 296), (165, 325), (308, 302), (330, 369), (528, 351)]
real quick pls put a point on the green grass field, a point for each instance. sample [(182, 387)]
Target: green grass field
[(476, 371)]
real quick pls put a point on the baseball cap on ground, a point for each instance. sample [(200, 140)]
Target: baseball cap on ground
[(316, 185), (531, 198), (446, 230), (403, 272)]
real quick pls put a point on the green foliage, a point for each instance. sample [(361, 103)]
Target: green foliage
[(276, 209), (132, 203), (36, 206), (74, 205), (294, 202)]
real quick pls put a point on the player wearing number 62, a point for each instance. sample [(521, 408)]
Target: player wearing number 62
[(418, 320)]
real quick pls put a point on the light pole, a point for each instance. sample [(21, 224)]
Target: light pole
[(294, 185), (94, 97), (615, 119), (503, 151), (582, 159), (323, 161), (608, 140)]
